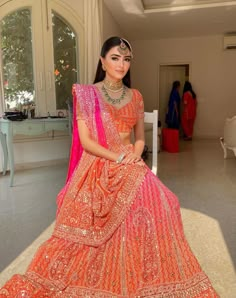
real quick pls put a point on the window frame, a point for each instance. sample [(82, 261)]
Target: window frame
[(42, 46)]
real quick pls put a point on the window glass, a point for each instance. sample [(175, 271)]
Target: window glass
[(17, 60), (65, 71)]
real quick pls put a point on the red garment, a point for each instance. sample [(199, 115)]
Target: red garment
[(189, 113)]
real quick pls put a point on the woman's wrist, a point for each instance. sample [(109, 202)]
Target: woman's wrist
[(120, 158), (138, 151), (138, 148), (138, 154)]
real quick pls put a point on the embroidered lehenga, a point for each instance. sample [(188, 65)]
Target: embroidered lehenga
[(118, 231)]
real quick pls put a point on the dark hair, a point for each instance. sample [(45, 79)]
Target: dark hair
[(108, 44), (175, 85), (188, 87)]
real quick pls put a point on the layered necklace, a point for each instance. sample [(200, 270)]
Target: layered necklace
[(113, 87)]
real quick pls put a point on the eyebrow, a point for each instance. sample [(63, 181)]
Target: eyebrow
[(116, 55)]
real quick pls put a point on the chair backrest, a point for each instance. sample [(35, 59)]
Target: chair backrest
[(152, 118), (230, 132)]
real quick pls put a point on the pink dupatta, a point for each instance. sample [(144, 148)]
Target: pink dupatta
[(76, 147), (76, 150)]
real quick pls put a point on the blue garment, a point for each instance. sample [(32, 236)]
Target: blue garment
[(173, 113)]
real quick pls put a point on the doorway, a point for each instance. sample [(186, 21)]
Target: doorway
[(167, 75)]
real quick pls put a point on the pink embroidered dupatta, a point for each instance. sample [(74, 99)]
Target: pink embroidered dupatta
[(76, 147), (98, 192)]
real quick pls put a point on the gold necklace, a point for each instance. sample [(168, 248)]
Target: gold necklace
[(113, 86), (114, 101)]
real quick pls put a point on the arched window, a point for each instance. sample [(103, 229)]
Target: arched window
[(39, 55), (65, 66)]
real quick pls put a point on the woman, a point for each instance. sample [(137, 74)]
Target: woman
[(118, 231), (173, 113), (189, 111)]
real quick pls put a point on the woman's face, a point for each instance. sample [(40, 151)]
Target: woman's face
[(116, 64)]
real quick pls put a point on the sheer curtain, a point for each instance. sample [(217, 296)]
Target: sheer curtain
[(93, 36)]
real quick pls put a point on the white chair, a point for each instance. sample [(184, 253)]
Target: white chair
[(229, 139), (152, 118)]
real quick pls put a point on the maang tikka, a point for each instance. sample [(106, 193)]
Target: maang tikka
[(123, 49)]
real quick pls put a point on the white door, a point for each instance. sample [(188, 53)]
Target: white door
[(167, 75)]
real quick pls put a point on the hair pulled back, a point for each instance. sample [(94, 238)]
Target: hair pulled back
[(188, 87), (109, 44)]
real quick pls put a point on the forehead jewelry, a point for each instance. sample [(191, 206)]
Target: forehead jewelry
[(123, 49)]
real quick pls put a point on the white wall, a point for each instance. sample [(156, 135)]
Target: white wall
[(212, 74), (41, 151), (77, 6), (110, 27)]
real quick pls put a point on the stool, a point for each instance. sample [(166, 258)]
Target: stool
[(170, 140)]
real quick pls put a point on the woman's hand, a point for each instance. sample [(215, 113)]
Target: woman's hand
[(131, 158)]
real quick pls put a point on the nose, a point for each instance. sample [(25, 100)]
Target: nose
[(121, 63)]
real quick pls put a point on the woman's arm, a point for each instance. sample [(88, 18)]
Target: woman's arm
[(138, 145), (139, 137), (92, 146), (176, 109), (138, 132), (186, 100)]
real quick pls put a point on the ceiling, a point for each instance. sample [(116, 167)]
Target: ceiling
[(155, 19)]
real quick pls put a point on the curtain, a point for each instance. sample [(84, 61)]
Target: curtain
[(93, 37)]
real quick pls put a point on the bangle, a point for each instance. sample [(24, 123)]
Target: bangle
[(120, 158)]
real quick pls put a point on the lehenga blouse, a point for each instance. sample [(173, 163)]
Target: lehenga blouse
[(126, 116)]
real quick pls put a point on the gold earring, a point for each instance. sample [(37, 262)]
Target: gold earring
[(103, 67)]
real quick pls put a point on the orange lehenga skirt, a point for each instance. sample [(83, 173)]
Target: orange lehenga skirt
[(146, 256), (118, 234)]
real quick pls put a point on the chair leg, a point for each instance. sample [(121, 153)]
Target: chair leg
[(5, 153), (159, 144), (234, 151), (224, 147)]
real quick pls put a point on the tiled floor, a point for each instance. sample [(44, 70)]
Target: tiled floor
[(27, 208), (202, 179)]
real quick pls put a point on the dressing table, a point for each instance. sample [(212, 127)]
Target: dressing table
[(28, 127)]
